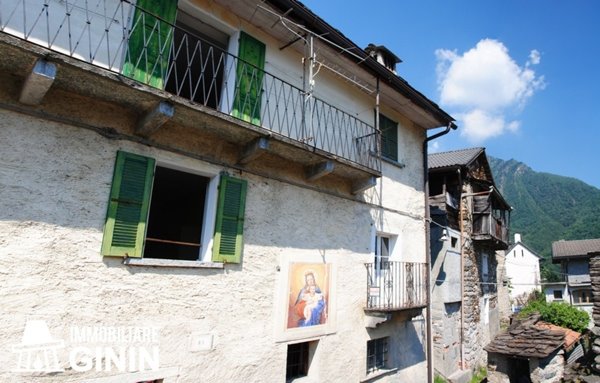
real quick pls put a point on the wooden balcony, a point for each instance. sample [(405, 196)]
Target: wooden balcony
[(394, 286)]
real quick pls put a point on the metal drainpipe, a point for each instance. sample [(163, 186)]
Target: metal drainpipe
[(429, 325), (462, 275)]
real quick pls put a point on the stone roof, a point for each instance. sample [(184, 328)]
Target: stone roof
[(570, 336), (528, 339), (579, 248), (453, 158)]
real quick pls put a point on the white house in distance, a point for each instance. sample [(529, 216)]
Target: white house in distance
[(522, 270), (209, 191)]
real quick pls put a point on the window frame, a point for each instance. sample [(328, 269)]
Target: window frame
[(387, 125), (308, 350), (381, 262), (557, 292), (135, 173), (374, 347)]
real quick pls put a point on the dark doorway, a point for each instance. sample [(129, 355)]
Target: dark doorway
[(518, 370)]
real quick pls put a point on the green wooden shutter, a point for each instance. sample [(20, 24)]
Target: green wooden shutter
[(150, 41), (229, 226), (389, 138), (249, 80), (125, 225)]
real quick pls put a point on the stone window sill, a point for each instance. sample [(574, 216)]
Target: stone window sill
[(172, 263)]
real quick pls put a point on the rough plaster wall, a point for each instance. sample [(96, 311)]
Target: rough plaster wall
[(523, 269), (54, 185)]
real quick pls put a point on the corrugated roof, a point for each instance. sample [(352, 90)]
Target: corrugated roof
[(453, 158), (578, 248)]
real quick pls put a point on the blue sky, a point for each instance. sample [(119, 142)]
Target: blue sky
[(521, 77)]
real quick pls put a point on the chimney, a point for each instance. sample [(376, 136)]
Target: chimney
[(517, 237), (383, 56)]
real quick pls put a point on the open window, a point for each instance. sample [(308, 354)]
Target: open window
[(198, 59), (171, 47), (157, 211)]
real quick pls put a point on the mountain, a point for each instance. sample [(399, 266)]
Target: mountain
[(547, 207)]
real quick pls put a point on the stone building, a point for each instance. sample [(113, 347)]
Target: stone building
[(469, 224), (532, 351), (190, 193)]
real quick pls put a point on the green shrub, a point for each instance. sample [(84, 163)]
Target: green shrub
[(558, 313), (479, 375)]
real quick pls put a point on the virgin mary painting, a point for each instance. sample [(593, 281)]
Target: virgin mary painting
[(309, 290)]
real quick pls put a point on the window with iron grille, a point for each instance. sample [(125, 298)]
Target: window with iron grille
[(377, 351), (297, 360)]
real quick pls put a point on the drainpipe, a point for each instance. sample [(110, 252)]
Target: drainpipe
[(462, 275), (451, 126)]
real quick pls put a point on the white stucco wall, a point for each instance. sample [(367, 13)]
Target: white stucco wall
[(523, 271), (54, 185)]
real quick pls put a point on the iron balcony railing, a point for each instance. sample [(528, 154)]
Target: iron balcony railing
[(123, 38), (393, 286)]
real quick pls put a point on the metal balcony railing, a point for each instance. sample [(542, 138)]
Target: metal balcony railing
[(393, 286), (125, 39)]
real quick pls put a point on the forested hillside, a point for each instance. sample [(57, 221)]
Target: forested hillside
[(547, 207)]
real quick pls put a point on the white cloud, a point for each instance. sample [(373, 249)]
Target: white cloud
[(434, 146), (484, 85), (534, 57)]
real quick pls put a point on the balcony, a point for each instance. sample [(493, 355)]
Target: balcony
[(182, 66), (395, 286)]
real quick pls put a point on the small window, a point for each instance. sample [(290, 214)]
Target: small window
[(453, 242), (484, 266), (389, 138), (298, 360), (377, 352), (558, 295), (382, 252)]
